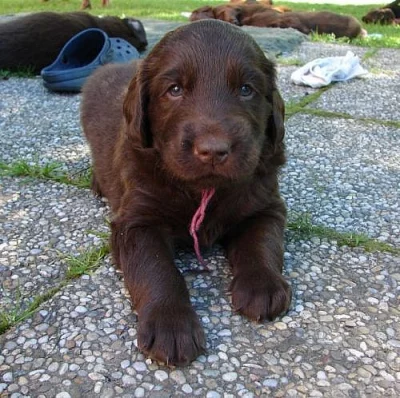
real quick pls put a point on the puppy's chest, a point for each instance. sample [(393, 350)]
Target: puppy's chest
[(208, 222)]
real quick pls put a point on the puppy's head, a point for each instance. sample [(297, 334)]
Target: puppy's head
[(384, 16), (228, 13), (206, 99), (206, 12)]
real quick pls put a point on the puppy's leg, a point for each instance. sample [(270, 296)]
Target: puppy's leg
[(95, 186), (86, 5), (169, 329), (255, 253)]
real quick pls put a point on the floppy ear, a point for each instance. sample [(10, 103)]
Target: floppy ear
[(276, 122), (135, 113), (138, 31)]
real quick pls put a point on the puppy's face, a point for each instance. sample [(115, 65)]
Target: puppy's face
[(228, 13), (209, 104), (205, 12)]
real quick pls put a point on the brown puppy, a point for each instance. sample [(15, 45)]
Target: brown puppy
[(206, 12), (35, 40), (306, 22), (386, 15), (199, 123), (266, 2), (382, 16), (234, 12)]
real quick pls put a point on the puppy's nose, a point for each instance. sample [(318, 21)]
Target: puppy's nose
[(211, 150)]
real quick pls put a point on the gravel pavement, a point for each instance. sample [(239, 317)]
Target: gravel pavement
[(341, 336)]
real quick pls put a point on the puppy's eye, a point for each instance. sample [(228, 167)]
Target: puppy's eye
[(245, 90), (175, 91)]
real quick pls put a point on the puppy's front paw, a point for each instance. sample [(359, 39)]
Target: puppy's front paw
[(172, 334), (260, 295)]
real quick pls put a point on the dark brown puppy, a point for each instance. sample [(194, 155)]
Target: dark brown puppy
[(382, 16), (268, 2), (386, 15), (306, 22), (35, 40), (234, 12), (206, 12), (201, 113)]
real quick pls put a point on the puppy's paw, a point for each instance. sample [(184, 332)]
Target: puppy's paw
[(260, 295), (173, 336)]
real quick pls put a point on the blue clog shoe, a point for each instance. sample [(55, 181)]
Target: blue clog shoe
[(82, 55)]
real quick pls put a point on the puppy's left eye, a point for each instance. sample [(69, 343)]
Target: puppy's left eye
[(246, 90), (175, 91)]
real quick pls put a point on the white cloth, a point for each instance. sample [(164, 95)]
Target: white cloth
[(323, 71)]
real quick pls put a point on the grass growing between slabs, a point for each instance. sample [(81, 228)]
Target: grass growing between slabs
[(172, 10), (48, 171), (19, 313), (303, 228), (84, 264)]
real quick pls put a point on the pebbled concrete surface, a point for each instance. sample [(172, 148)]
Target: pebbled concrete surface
[(340, 337)]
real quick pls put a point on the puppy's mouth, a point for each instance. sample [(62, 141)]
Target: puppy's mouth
[(210, 180)]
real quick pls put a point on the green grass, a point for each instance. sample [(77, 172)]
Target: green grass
[(293, 107), (86, 263), (343, 115), (23, 72), (172, 9), (10, 318), (369, 54), (303, 227), (390, 34), (283, 61), (48, 171)]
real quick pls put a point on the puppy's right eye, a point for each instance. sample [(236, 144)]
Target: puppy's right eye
[(175, 91)]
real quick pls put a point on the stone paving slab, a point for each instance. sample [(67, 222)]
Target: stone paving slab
[(272, 40), (345, 173), (385, 59), (40, 131), (40, 223), (331, 344), (309, 51), (357, 97)]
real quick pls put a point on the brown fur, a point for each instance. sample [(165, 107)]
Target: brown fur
[(386, 15), (206, 12), (307, 22), (265, 2), (234, 12), (36, 40), (201, 111), (258, 14)]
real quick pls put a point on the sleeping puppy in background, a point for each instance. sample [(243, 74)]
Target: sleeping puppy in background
[(186, 146), (19, 37), (307, 22)]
